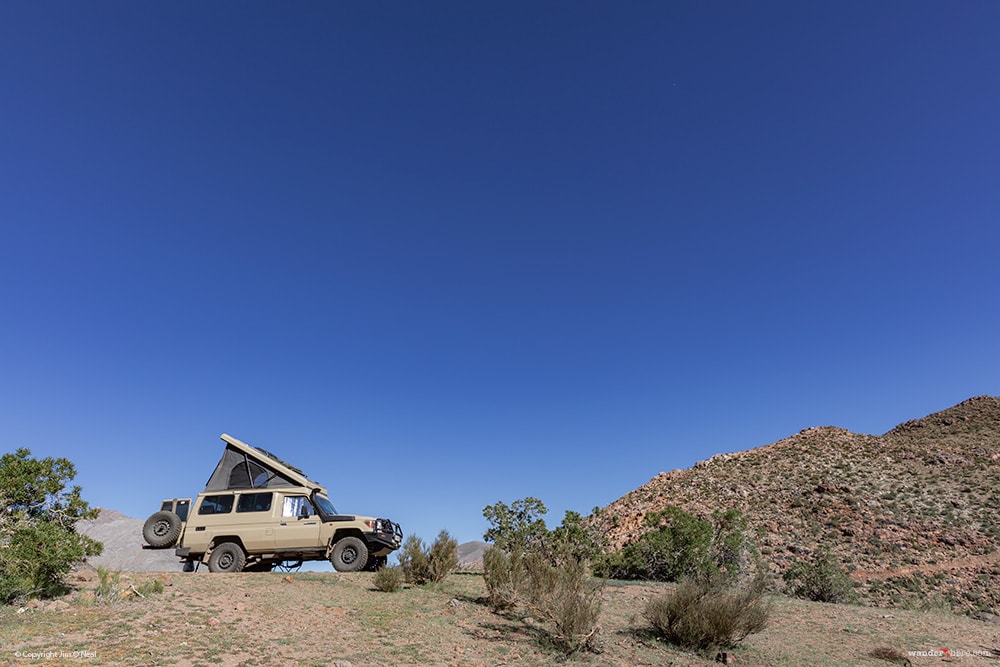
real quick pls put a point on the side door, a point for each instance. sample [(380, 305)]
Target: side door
[(298, 527), (255, 520)]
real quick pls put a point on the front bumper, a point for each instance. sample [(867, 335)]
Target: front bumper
[(387, 534)]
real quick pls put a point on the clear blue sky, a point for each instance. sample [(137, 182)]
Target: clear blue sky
[(441, 254)]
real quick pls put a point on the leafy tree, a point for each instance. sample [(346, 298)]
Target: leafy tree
[(516, 526), (547, 571), (38, 514), (573, 539)]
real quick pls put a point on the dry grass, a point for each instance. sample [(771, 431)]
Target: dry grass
[(251, 620)]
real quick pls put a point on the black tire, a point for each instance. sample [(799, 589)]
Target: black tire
[(350, 554), (162, 529), (227, 557), (375, 562)]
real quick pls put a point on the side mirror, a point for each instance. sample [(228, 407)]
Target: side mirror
[(304, 512)]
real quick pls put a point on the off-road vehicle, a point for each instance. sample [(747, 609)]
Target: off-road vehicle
[(258, 512)]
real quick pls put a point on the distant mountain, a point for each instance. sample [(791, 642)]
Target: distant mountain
[(122, 538), (913, 512), (470, 555)]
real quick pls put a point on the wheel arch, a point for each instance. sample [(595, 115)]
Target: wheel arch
[(347, 532), (222, 539)]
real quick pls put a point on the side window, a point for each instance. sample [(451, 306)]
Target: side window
[(254, 502), (295, 506), (216, 505)]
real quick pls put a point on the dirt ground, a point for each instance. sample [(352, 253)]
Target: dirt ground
[(250, 620)]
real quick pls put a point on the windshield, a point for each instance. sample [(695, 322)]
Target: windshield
[(324, 504)]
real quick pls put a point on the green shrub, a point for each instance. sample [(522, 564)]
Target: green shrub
[(503, 574), (38, 540), (685, 546), (820, 579), (443, 557), (150, 587), (733, 549), (573, 539), (413, 560), (704, 615), (566, 599), (389, 579), (546, 571), (109, 587), (422, 565), (679, 546)]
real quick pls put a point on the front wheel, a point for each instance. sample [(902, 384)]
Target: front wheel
[(350, 554), (227, 557)]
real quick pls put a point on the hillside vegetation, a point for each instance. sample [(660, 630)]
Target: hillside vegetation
[(911, 513)]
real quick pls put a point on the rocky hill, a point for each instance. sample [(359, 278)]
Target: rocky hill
[(912, 513), (122, 539)]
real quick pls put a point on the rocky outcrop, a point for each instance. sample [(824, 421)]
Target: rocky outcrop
[(122, 539), (897, 509)]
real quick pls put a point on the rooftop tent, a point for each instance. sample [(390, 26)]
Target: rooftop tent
[(244, 466)]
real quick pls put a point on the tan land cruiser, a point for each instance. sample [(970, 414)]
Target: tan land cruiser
[(258, 512)]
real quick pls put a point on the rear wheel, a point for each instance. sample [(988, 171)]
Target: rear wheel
[(162, 529), (350, 554), (227, 557)]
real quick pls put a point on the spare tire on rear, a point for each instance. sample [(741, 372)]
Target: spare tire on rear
[(162, 529)]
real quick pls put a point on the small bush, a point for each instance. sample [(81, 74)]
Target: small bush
[(503, 573), (413, 560), (109, 586), (890, 655), (111, 590), (423, 565), (150, 587), (704, 615), (566, 599), (443, 557), (820, 579), (389, 579)]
